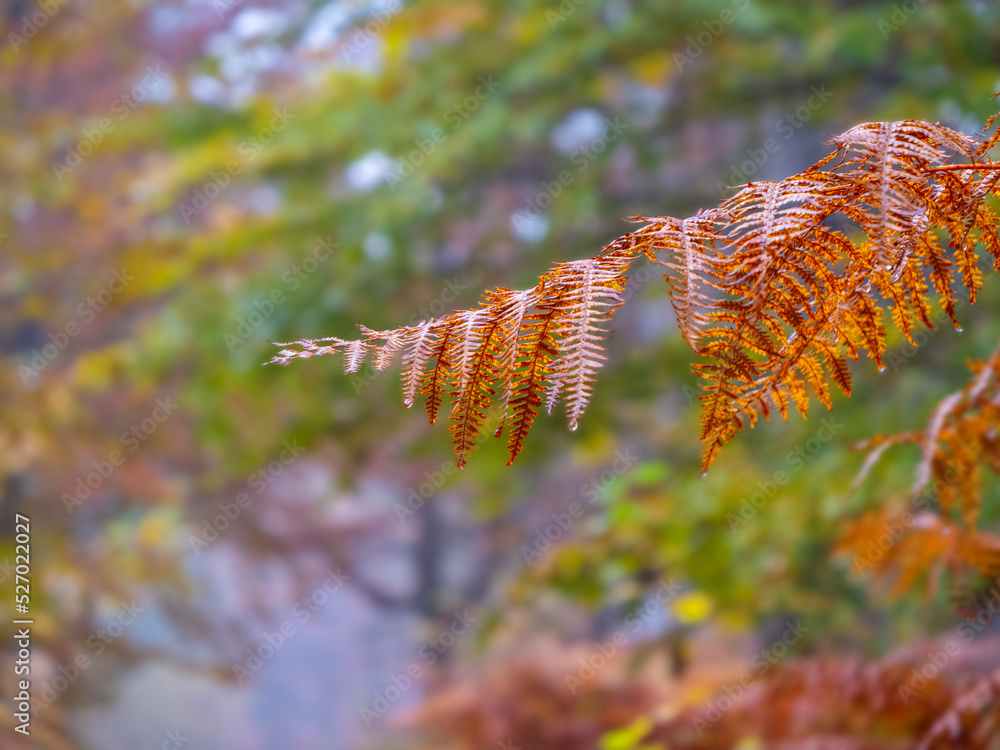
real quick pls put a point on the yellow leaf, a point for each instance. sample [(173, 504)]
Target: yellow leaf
[(691, 608)]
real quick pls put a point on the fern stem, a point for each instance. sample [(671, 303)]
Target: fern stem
[(956, 167)]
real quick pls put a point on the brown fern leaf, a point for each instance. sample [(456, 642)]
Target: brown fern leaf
[(960, 206), (959, 440), (689, 249), (582, 294), (420, 346), (482, 333), (436, 382), (556, 349), (354, 351), (904, 199), (962, 432), (924, 546), (971, 721), (971, 600), (939, 269), (515, 318), (889, 162), (537, 350), (383, 355), (771, 335), (767, 290), (908, 546)]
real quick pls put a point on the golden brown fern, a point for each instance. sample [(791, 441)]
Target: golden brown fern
[(538, 345), (960, 440), (775, 289), (972, 720)]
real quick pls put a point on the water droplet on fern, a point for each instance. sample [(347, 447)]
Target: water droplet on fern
[(959, 329), (572, 427), (704, 474), (881, 369)]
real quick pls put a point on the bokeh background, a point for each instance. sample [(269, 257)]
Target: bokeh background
[(228, 556)]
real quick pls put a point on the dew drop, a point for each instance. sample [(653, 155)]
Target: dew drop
[(959, 329), (881, 369), (572, 427), (704, 474)]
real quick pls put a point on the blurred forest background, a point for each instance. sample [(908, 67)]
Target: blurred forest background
[(230, 556)]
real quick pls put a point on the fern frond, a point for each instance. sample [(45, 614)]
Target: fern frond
[(960, 439), (768, 336), (435, 382), (515, 317), (536, 351), (582, 294), (686, 247), (970, 720), (769, 289), (482, 333), (420, 347)]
